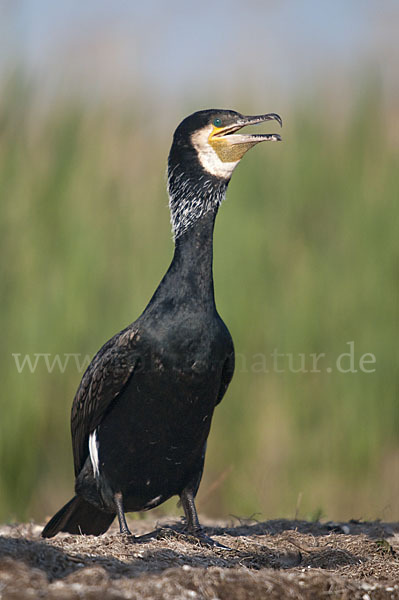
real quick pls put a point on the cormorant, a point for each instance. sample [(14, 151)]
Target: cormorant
[(142, 413)]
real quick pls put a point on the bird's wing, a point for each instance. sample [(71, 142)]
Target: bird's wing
[(227, 374), (102, 382)]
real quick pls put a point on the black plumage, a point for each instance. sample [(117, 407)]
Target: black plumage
[(142, 413)]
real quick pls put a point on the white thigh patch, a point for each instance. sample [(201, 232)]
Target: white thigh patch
[(93, 451)]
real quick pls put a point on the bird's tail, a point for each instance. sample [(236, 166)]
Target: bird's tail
[(79, 517)]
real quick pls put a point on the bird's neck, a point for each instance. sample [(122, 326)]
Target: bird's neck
[(194, 202), (192, 195), (193, 258), (188, 283)]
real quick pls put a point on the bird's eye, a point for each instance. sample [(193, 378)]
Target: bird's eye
[(217, 122)]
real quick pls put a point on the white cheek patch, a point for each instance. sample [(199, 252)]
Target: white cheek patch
[(93, 451), (207, 156)]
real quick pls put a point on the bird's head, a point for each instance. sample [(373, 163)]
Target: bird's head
[(208, 141), (206, 149)]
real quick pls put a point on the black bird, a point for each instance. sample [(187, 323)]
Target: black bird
[(142, 413)]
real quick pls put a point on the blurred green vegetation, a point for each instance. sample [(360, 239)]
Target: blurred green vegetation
[(304, 263)]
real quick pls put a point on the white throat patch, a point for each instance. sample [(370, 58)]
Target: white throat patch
[(207, 156)]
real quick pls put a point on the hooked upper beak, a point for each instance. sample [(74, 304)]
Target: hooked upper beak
[(228, 133)]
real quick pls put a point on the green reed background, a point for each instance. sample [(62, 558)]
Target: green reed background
[(304, 263)]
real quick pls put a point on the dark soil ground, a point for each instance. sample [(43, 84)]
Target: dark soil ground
[(273, 559)]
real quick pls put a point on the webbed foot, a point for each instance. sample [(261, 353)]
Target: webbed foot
[(199, 536)]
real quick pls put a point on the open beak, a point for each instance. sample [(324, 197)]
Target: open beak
[(231, 146), (228, 133)]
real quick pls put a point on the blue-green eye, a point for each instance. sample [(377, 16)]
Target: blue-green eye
[(217, 122)]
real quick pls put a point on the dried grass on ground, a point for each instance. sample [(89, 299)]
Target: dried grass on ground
[(274, 559)]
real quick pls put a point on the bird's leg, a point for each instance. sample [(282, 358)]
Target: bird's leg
[(193, 525), (187, 500), (123, 528)]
